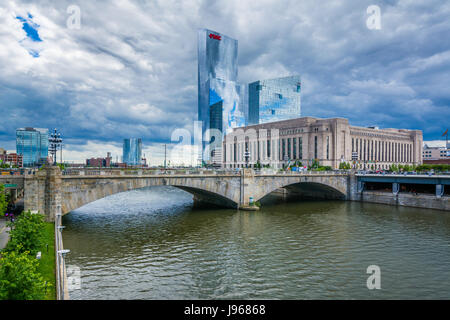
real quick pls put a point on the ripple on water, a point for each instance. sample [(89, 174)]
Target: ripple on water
[(151, 244)]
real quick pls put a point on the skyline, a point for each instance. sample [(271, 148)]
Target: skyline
[(110, 79)]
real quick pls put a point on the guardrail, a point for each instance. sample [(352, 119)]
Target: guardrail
[(62, 292), (237, 172), (118, 172)]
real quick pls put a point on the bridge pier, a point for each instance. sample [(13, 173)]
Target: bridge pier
[(43, 192)]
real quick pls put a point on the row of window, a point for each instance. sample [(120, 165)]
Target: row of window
[(376, 150), (288, 149)]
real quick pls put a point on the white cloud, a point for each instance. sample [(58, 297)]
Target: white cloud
[(131, 68)]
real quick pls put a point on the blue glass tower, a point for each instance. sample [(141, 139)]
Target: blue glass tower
[(274, 100), (32, 144), (132, 151), (221, 103)]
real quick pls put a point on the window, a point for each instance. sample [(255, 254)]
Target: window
[(315, 147), (328, 148), (263, 150), (294, 145), (289, 148), (371, 149), (360, 149), (283, 148), (300, 146)]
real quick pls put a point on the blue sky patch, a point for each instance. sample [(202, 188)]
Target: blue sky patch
[(30, 27)]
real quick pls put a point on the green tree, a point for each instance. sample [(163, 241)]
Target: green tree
[(315, 164), (27, 233), (394, 168), (344, 166), (3, 201), (19, 278)]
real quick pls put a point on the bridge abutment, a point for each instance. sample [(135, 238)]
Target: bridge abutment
[(43, 192)]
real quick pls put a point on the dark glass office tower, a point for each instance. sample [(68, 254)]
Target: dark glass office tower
[(132, 151), (274, 100), (217, 86), (32, 144)]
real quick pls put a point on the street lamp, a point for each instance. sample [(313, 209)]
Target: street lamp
[(55, 141), (246, 155)]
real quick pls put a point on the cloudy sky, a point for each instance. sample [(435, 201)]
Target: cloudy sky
[(130, 69)]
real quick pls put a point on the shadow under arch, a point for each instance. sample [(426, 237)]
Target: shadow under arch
[(304, 191), (204, 198)]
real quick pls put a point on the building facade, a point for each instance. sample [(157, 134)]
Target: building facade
[(100, 162), (32, 145), (274, 100), (132, 151), (221, 99), (431, 152), (12, 159), (328, 141)]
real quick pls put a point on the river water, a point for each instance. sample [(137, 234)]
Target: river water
[(151, 244)]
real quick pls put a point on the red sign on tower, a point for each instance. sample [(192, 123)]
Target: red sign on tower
[(215, 36)]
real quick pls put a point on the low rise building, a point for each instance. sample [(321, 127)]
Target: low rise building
[(99, 162), (435, 150), (328, 141), (12, 159)]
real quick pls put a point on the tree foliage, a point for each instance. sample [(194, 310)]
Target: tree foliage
[(315, 163), (19, 277), (3, 200), (394, 168), (344, 166), (27, 233), (435, 167)]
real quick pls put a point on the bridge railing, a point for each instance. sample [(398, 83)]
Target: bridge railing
[(193, 171), (139, 172), (296, 173)]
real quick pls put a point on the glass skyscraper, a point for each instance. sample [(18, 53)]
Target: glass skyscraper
[(132, 151), (274, 100), (221, 102), (32, 144)]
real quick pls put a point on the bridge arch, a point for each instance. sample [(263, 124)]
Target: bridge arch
[(310, 190), (317, 187), (77, 192)]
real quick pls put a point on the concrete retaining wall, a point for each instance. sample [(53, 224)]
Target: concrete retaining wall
[(406, 199)]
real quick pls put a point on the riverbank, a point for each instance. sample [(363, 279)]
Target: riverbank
[(47, 265)]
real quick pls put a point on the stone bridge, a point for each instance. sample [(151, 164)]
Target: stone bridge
[(49, 191)]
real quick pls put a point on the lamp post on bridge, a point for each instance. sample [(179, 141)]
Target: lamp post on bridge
[(55, 141), (246, 155)]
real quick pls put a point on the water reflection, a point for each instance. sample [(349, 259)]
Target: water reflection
[(151, 244)]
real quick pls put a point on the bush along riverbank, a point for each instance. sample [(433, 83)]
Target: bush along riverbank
[(22, 275)]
